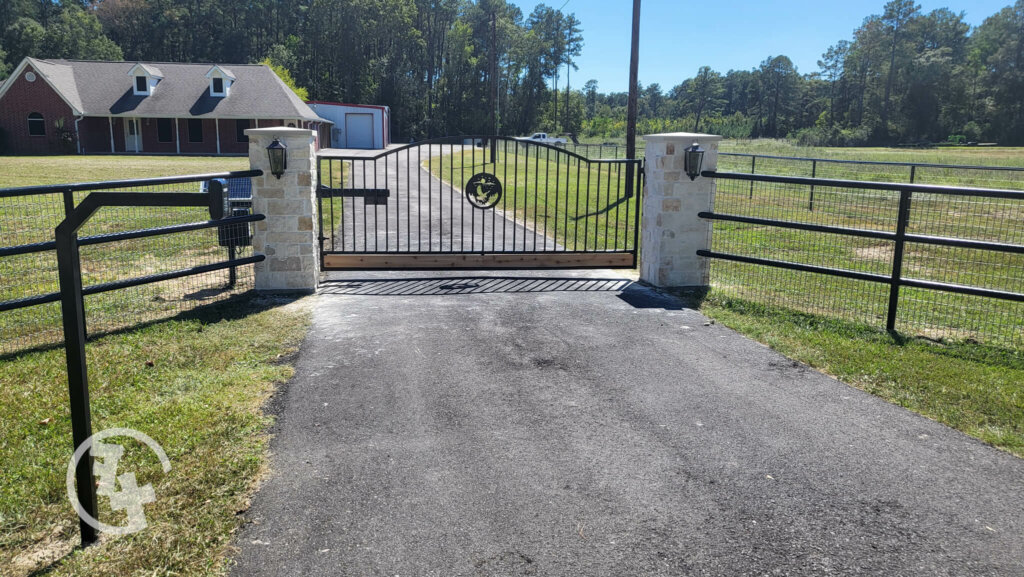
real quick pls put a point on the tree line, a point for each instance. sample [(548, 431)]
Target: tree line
[(903, 76), (429, 60)]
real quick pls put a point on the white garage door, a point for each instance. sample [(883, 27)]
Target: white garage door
[(359, 130)]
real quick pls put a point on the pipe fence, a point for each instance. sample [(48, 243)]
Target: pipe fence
[(112, 252), (927, 260)]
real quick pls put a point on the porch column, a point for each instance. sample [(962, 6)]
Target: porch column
[(288, 236), (672, 233)]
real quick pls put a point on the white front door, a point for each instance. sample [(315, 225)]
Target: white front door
[(132, 136)]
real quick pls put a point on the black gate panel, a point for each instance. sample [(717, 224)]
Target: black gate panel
[(477, 203)]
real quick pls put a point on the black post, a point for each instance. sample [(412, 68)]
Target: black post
[(69, 202), (233, 271), (913, 173), (753, 170), (634, 80), (73, 313), (568, 87), (897, 259), (814, 174)]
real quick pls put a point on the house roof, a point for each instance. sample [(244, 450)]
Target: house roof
[(100, 88)]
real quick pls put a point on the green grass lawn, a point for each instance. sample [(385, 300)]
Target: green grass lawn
[(195, 384), (968, 386), (39, 170), (978, 157), (962, 155), (333, 174)]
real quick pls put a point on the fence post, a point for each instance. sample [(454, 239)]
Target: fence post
[(897, 260), (672, 233), (913, 173), (753, 170), (814, 174), (288, 236), (69, 202), (69, 271)]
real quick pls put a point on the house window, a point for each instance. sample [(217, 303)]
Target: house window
[(240, 127), (36, 125), (164, 130), (141, 85), (218, 86), (195, 130)]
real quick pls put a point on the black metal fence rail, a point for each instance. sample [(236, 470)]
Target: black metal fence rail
[(121, 242), (916, 240), (139, 281), (1010, 177)]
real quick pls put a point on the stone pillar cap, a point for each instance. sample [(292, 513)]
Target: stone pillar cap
[(688, 136), (278, 131)]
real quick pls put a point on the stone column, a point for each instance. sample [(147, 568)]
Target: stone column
[(288, 236), (671, 231)]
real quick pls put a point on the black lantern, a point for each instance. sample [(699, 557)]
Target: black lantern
[(278, 154), (693, 160)]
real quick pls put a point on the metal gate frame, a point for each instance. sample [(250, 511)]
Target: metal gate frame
[(362, 198)]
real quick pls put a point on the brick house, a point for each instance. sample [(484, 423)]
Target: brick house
[(96, 107)]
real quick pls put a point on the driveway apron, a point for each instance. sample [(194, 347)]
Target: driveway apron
[(563, 423)]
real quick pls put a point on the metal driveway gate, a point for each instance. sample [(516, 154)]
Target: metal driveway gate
[(477, 203)]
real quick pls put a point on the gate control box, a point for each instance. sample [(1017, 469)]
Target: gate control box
[(237, 202)]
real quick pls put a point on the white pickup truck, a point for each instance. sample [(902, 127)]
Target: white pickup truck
[(543, 138)]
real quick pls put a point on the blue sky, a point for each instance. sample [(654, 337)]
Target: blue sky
[(728, 34)]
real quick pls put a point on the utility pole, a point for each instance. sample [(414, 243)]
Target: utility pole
[(568, 88), (634, 79), (494, 85)]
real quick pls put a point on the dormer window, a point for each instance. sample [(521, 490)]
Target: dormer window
[(221, 80), (146, 78)]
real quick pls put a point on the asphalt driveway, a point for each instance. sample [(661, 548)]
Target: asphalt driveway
[(578, 424)]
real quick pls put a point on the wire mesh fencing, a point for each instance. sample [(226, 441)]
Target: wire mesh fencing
[(999, 177), (28, 262), (960, 263)]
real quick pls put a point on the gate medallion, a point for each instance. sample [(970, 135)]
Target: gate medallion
[(484, 191)]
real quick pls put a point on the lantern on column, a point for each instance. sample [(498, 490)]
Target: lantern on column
[(277, 152), (693, 159)]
